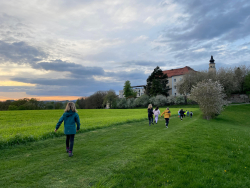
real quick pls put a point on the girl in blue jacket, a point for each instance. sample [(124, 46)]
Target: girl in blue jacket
[(70, 118)]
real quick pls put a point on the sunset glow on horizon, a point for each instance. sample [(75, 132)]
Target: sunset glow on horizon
[(21, 95)]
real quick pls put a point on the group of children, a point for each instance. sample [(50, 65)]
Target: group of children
[(71, 119), (182, 114), (156, 112)]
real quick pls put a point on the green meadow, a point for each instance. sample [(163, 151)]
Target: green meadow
[(126, 152), (18, 127)]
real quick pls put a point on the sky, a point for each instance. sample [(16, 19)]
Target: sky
[(72, 48)]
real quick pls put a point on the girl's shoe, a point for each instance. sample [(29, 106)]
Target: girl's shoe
[(70, 154)]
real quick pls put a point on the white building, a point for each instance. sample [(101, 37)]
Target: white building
[(174, 76), (138, 89)]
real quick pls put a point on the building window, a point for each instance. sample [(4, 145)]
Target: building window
[(175, 87), (167, 87), (174, 80), (175, 94), (180, 78)]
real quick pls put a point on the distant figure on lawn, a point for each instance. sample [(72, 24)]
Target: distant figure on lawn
[(156, 113), (150, 114), (181, 114), (70, 118), (188, 113), (191, 114), (167, 115)]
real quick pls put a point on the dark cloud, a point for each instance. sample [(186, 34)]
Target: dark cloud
[(226, 20), (20, 52), (62, 66)]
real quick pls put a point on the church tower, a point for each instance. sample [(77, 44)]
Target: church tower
[(212, 64)]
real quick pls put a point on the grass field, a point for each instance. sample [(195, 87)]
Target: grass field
[(23, 126), (190, 153)]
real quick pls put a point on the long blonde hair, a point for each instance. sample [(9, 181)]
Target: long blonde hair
[(70, 106), (150, 106)]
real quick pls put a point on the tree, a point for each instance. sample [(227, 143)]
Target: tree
[(157, 83), (128, 91), (210, 97), (110, 98), (232, 79), (95, 101), (58, 105), (246, 84), (81, 103)]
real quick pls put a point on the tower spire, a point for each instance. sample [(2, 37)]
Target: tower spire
[(212, 64)]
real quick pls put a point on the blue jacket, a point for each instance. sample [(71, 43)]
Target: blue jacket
[(70, 120)]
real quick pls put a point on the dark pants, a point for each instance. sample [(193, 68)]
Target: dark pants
[(167, 121), (150, 119), (70, 138), (181, 116)]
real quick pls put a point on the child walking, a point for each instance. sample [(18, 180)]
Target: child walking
[(70, 118), (181, 114), (150, 114), (191, 114), (156, 113), (167, 115)]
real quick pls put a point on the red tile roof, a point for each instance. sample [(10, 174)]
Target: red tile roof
[(177, 72)]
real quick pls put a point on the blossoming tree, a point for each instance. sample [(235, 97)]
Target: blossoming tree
[(210, 97)]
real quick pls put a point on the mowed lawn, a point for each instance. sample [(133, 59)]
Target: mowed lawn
[(30, 125), (190, 153)]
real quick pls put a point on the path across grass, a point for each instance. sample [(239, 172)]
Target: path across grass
[(191, 153), (18, 127)]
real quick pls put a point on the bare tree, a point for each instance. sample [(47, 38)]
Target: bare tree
[(232, 79)]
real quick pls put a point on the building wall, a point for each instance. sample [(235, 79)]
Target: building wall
[(140, 91), (172, 83)]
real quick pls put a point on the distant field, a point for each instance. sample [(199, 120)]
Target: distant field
[(22, 126)]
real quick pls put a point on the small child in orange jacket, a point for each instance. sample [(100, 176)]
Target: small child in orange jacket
[(167, 115)]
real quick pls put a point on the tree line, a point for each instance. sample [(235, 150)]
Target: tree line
[(211, 89), (31, 104)]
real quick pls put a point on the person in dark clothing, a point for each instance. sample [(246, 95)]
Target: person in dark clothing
[(70, 118), (181, 114), (150, 114), (191, 114)]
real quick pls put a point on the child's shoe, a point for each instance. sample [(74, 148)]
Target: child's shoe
[(70, 154), (67, 150)]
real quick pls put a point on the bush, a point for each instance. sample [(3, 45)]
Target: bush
[(121, 103), (210, 97), (180, 100), (142, 101), (12, 107), (171, 100), (130, 103), (160, 100)]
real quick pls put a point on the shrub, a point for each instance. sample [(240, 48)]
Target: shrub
[(210, 97), (121, 103), (130, 103), (180, 100), (171, 100), (160, 100), (13, 107), (142, 101)]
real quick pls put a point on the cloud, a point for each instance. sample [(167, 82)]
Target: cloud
[(222, 20), (20, 52), (73, 68)]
